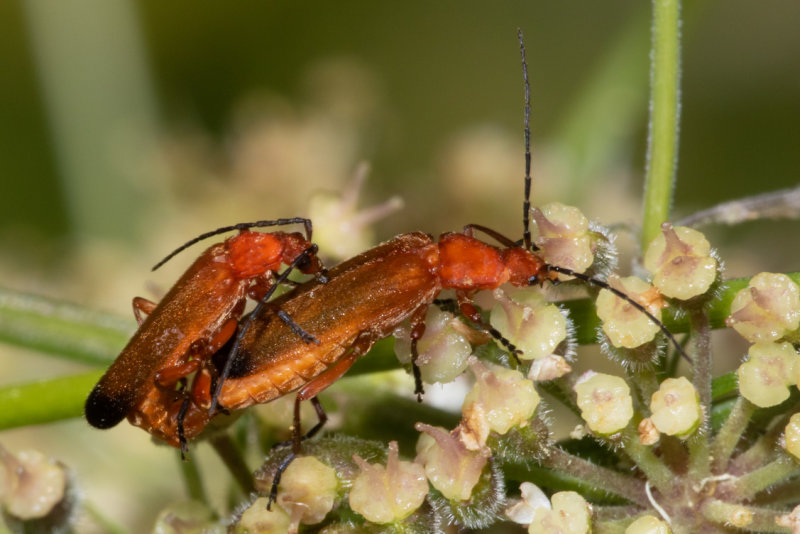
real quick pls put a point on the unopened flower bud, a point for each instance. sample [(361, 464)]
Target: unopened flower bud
[(648, 433), (308, 486), (549, 368), (443, 350), (767, 310), (675, 407), (562, 234), (32, 484), (770, 369), (605, 402), (388, 494), (342, 230), (256, 518), (647, 524), (500, 399), (570, 514), (527, 320), (523, 510), (740, 517), (681, 262), (791, 436), (449, 466), (624, 325)]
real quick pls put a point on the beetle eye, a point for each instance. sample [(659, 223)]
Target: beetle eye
[(533, 280), (304, 263)]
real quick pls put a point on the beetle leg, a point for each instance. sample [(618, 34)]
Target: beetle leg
[(469, 311), (184, 446), (310, 392), (417, 331), (142, 307), (296, 328)]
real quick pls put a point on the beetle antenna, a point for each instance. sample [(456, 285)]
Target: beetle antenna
[(526, 204), (604, 285), (241, 227)]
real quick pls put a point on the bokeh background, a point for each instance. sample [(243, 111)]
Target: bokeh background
[(128, 127)]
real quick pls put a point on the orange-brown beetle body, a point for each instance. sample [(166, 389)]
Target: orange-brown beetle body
[(193, 320)]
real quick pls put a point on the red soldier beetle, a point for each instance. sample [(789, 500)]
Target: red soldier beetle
[(196, 317)]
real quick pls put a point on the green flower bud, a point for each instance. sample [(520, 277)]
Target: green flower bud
[(767, 310), (443, 350), (527, 320), (675, 407), (308, 488), (624, 325), (681, 262), (388, 494), (605, 402), (450, 467), (562, 234), (765, 377)]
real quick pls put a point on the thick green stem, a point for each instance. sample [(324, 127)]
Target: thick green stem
[(662, 146), (657, 473), (45, 401), (61, 328)]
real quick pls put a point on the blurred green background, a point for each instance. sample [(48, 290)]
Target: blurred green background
[(126, 128)]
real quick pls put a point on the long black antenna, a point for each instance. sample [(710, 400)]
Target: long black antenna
[(604, 285), (241, 226), (526, 204)]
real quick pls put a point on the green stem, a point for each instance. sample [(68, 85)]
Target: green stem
[(60, 328), (662, 149), (730, 433), (101, 520), (600, 477), (748, 486), (728, 514), (45, 401), (193, 481), (657, 473), (644, 380), (699, 460), (232, 458)]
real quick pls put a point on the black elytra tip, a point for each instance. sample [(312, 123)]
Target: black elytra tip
[(103, 411)]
